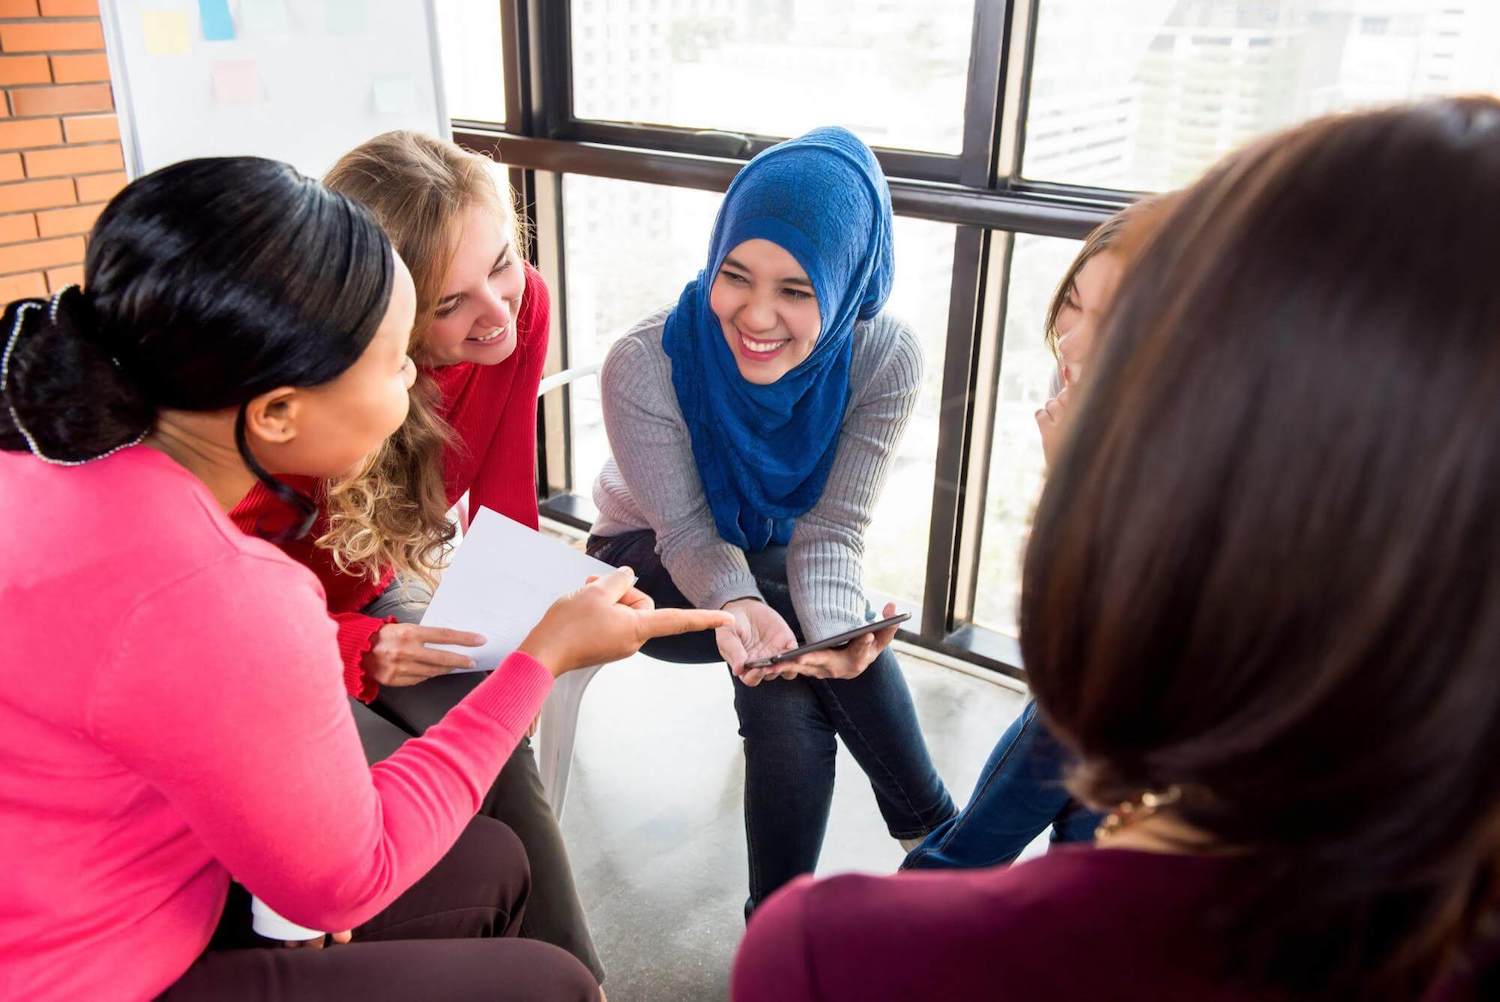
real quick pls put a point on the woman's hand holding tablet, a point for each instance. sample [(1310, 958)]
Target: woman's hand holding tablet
[(843, 655)]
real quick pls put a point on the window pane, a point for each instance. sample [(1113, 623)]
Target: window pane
[(890, 70), (630, 248), (1144, 94), (1016, 466), (896, 542), (473, 67)]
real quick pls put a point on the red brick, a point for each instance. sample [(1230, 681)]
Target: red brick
[(100, 187), (10, 167), (58, 36), (17, 8), (24, 70), (41, 254), (21, 226), (61, 100), (23, 135), (38, 195), (88, 68), (70, 8), (91, 128), (58, 278), (73, 160), (63, 222), (32, 286)]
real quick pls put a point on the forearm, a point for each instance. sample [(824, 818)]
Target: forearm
[(707, 570), (351, 862), (825, 559), (825, 578)]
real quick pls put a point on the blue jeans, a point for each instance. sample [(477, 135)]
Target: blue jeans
[(1019, 793), (790, 730)]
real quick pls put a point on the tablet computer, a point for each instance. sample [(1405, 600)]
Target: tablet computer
[(837, 640)]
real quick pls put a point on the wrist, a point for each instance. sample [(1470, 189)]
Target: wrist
[(751, 599), (545, 655)]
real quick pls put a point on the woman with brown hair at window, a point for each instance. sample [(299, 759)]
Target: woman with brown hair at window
[(1257, 606), (480, 344), (1020, 792)]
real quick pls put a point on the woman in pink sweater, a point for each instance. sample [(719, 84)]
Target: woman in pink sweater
[(240, 321)]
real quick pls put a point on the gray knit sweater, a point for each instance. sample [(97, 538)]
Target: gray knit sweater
[(651, 481)]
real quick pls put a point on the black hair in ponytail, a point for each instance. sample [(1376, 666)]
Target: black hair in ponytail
[(207, 283)]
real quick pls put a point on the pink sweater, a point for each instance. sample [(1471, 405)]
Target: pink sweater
[(158, 736)]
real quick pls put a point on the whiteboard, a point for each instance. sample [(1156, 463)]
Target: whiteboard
[(297, 80)]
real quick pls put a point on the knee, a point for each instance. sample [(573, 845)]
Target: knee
[(493, 858), (784, 718), (563, 976)]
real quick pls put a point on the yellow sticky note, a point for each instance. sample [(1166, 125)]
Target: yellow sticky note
[(167, 32)]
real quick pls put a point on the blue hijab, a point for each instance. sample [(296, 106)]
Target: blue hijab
[(763, 452)]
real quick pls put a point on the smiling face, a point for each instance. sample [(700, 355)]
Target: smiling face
[(474, 319), (1083, 310), (767, 309)]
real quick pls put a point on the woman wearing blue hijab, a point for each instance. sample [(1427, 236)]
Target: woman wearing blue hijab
[(751, 427)]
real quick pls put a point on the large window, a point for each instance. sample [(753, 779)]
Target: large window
[(1008, 129), (1145, 94), (892, 72), (1016, 468), (630, 248), (473, 70)]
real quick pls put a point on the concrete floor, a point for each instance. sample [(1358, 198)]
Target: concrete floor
[(654, 824)]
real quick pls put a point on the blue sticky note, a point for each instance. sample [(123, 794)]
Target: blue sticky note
[(218, 26)]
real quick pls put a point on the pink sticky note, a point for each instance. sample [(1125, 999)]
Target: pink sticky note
[(237, 81)]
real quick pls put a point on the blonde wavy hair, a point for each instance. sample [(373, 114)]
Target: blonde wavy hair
[(393, 511)]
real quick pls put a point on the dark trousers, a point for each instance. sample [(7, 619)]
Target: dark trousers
[(790, 729), (451, 936), (555, 913), (1019, 793)]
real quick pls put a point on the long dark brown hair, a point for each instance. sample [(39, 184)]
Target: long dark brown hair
[(1267, 570)]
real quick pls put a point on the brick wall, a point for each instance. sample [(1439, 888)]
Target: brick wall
[(60, 158)]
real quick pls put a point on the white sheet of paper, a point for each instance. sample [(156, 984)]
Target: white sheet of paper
[(502, 578)]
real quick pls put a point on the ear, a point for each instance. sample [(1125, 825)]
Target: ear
[(272, 417)]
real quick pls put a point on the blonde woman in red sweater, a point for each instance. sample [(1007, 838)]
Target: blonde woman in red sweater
[(479, 344)]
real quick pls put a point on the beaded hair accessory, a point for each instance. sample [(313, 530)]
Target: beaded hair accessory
[(10, 347)]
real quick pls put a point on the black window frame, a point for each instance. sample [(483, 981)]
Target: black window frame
[(980, 191)]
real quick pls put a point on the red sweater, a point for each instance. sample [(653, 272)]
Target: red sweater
[(492, 411), (159, 737)]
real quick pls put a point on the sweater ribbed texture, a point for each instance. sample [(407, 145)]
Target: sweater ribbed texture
[(651, 480)]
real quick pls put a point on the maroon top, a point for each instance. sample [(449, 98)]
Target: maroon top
[(1078, 923)]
